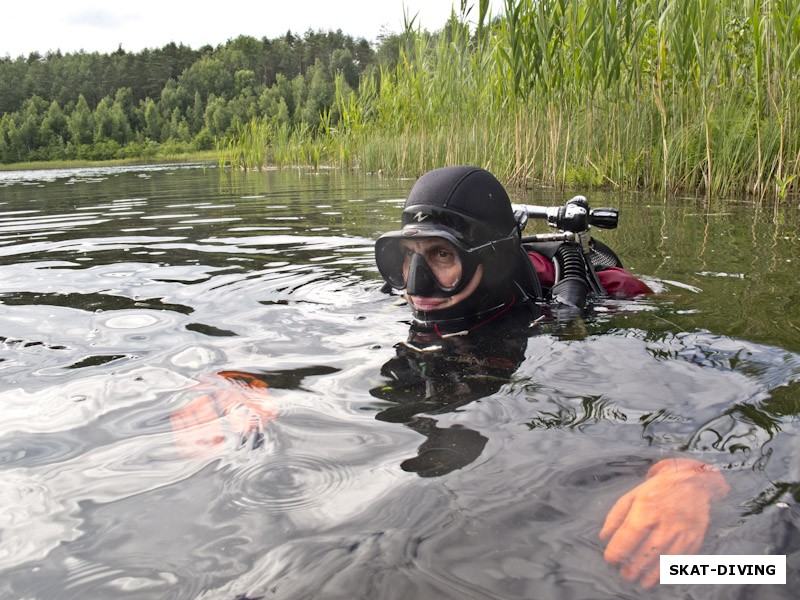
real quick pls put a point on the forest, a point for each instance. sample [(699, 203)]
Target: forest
[(170, 100)]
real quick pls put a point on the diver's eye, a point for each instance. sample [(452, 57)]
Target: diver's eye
[(443, 257)]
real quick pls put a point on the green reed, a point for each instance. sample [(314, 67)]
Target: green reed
[(694, 96)]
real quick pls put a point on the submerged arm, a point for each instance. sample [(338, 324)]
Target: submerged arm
[(236, 401), (666, 514)]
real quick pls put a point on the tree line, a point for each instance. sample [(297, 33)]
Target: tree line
[(92, 106)]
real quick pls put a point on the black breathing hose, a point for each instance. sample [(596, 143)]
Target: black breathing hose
[(571, 287)]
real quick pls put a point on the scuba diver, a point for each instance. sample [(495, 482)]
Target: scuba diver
[(461, 262)]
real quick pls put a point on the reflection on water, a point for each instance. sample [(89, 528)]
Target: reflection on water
[(481, 470)]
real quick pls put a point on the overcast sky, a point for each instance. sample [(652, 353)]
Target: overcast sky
[(102, 25)]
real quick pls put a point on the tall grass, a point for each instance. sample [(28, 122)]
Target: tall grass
[(689, 96)]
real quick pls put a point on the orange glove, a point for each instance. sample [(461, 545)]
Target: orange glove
[(667, 514), (243, 401)]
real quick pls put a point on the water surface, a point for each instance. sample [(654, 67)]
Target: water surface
[(481, 471)]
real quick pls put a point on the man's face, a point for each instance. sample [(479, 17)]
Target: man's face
[(444, 262)]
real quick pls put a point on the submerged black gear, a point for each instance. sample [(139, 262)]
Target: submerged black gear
[(431, 376), (469, 208)]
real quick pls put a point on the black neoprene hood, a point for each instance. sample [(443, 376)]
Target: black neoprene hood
[(468, 201)]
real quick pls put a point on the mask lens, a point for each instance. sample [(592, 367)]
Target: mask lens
[(390, 260), (400, 260)]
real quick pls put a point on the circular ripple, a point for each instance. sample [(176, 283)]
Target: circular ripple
[(88, 579), (288, 483)]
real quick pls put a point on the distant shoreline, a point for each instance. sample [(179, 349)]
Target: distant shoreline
[(210, 157)]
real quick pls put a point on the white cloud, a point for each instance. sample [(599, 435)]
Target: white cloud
[(98, 18), (92, 25)]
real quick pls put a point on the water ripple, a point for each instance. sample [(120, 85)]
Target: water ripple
[(33, 520), (288, 482), (105, 331)]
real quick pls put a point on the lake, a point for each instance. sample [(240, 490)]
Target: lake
[(484, 470)]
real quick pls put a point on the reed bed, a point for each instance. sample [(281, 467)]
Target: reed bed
[(675, 96)]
